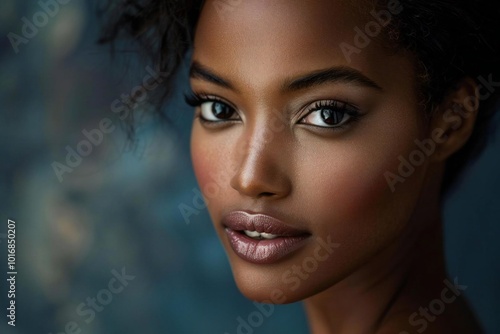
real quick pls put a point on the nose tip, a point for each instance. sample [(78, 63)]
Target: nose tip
[(258, 187), (262, 174)]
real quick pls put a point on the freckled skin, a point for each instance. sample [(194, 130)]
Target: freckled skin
[(330, 183)]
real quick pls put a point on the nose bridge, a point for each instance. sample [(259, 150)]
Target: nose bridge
[(262, 165)]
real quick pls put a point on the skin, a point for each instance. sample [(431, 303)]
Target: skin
[(269, 159)]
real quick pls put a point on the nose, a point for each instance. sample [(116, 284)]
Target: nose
[(263, 165)]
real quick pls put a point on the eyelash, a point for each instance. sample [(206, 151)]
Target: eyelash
[(196, 100), (338, 106)]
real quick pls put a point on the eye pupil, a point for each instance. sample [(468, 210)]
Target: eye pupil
[(221, 110), (330, 116)]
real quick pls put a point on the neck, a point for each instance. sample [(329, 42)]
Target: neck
[(398, 279)]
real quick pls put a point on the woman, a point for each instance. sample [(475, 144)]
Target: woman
[(326, 134)]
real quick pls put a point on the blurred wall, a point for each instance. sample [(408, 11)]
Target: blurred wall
[(103, 248)]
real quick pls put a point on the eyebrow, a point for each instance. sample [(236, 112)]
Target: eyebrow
[(340, 74), (200, 71)]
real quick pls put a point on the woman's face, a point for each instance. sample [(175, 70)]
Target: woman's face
[(311, 149)]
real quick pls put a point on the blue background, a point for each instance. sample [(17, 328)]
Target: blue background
[(120, 207)]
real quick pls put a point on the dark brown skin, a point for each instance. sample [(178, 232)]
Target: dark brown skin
[(272, 159)]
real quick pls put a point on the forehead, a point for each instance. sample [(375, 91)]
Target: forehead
[(256, 40), (277, 25)]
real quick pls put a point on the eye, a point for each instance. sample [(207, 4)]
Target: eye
[(212, 109), (330, 114)]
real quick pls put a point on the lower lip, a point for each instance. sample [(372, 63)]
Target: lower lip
[(263, 251)]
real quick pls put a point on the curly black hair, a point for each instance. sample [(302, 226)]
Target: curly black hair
[(450, 39)]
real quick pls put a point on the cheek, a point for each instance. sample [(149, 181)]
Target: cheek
[(351, 202), (352, 198), (200, 161), (212, 168), (203, 164)]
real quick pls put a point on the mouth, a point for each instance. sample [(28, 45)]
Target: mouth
[(256, 235), (261, 239)]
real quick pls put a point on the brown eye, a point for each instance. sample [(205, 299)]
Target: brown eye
[(327, 118), (330, 114), (215, 111), (332, 117)]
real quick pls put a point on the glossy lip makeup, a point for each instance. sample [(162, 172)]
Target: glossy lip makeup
[(260, 238)]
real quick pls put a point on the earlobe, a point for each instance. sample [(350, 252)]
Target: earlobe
[(453, 121)]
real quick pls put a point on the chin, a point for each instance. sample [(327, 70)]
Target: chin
[(259, 286), (295, 278)]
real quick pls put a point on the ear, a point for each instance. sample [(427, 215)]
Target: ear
[(453, 120)]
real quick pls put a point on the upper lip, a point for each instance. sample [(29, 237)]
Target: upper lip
[(259, 222)]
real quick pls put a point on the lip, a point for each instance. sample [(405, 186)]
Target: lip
[(262, 251)]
